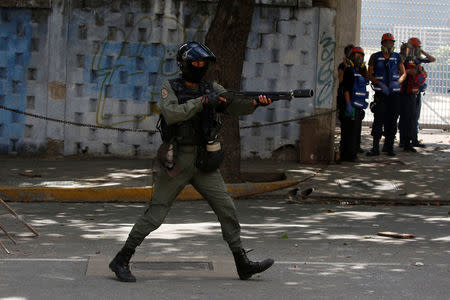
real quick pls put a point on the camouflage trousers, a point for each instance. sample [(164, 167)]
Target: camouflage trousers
[(209, 184)]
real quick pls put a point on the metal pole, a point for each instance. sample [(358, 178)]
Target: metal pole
[(18, 217), (4, 248), (7, 234)]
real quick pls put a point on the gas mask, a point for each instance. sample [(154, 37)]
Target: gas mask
[(416, 52), (387, 50), (358, 61)]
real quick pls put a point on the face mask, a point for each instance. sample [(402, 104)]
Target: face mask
[(358, 61), (194, 74), (409, 52), (386, 50)]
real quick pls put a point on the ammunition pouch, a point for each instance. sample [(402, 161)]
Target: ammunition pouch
[(167, 154), (209, 157)]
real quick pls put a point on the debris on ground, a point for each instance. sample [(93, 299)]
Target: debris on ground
[(396, 235), (30, 174), (294, 195)]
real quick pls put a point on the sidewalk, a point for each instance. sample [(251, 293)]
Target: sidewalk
[(408, 178)]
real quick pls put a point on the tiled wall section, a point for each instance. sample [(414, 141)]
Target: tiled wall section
[(118, 58), (281, 55), (23, 77)]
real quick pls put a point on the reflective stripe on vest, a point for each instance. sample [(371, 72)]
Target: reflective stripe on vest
[(360, 93)]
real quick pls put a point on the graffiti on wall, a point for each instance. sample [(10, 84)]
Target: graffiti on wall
[(135, 71), (15, 40), (325, 71)]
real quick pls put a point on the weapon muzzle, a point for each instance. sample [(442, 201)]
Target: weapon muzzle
[(306, 93)]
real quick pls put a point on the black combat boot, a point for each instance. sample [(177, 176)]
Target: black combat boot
[(388, 149), (120, 265), (418, 144), (246, 268), (375, 149), (409, 148)]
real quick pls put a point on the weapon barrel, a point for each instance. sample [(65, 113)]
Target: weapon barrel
[(306, 93)]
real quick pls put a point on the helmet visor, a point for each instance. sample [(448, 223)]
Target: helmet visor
[(198, 51)]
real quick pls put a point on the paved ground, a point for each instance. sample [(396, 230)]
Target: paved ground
[(321, 252), (408, 178)]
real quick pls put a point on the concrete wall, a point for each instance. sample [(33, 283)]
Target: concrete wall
[(102, 62)]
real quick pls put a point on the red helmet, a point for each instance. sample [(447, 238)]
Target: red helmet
[(387, 37), (357, 50), (415, 42)]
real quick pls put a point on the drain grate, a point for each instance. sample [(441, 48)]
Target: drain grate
[(168, 266), (173, 266)]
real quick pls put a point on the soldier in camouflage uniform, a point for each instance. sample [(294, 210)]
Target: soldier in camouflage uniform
[(190, 154)]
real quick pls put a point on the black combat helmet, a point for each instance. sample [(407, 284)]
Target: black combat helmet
[(194, 51)]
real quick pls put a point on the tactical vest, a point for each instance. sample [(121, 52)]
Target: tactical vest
[(389, 66), (360, 93), (198, 130)]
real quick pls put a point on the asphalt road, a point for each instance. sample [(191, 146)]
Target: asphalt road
[(321, 252)]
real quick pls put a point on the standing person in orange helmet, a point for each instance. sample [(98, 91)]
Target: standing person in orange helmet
[(386, 72), (355, 96), (420, 57)]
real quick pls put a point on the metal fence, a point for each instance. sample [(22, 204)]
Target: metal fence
[(427, 20)]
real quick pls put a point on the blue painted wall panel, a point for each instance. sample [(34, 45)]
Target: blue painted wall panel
[(14, 56)]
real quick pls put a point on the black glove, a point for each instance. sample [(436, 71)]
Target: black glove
[(372, 106), (212, 100)]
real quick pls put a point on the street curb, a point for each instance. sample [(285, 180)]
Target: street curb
[(127, 194), (355, 201)]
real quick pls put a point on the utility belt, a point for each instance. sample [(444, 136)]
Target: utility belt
[(379, 99), (185, 134), (188, 148), (209, 156)]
